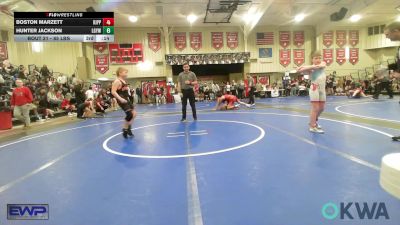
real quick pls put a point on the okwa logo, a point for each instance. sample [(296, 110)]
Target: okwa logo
[(355, 210)]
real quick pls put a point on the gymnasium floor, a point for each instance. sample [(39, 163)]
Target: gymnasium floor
[(245, 167)]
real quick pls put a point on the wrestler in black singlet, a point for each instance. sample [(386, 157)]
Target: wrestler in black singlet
[(123, 91)]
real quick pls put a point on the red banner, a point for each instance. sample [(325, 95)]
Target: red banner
[(284, 57), (354, 37), (298, 38), (232, 39), (298, 56), (263, 80), (180, 40), (341, 38), (327, 38), (154, 40), (217, 40), (353, 59), (340, 56), (327, 54), (284, 38), (101, 63), (3, 51), (195, 40), (100, 46)]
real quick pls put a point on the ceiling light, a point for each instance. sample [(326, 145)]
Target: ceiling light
[(355, 18), (191, 18), (299, 17), (248, 17), (133, 19)]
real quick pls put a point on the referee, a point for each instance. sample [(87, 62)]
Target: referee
[(186, 80), (392, 31)]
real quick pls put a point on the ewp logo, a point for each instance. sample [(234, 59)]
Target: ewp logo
[(27, 211), (351, 210)]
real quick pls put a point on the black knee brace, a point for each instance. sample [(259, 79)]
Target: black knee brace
[(129, 116)]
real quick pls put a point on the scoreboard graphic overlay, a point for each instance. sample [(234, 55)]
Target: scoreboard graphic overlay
[(64, 26)]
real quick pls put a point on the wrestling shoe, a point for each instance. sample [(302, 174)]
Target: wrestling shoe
[(397, 138), (316, 130), (129, 131), (125, 133)]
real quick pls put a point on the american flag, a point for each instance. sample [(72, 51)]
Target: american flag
[(265, 38)]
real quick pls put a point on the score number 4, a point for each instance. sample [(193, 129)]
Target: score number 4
[(108, 21)]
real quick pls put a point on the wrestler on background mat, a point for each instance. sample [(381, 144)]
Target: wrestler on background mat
[(392, 32), (120, 91), (317, 89), (227, 102)]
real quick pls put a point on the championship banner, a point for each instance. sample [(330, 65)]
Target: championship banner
[(180, 40), (232, 39), (353, 59), (327, 38), (327, 55), (298, 38), (284, 57), (263, 80), (354, 37), (195, 40), (298, 56), (101, 63), (3, 51), (341, 38), (154, 40), (100, 46), (284, 38), (340, 56), (217, 40)]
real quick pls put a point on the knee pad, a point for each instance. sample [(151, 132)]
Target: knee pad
[(129, 116)]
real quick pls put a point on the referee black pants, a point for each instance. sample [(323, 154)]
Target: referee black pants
[(188, 94), (251, 95), (384, 85)]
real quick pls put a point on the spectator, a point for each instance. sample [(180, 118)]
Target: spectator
[(85, 109), (329, 85), (67, 105), (294, 87), (234, 87), (44, 104), (100, 105), (45, 72), (240, 89), (7, 67), (22, 73), (228, 88), (79, 94), (302, 89), (139, 94), (89, 93), (20, 101), (54, 98)]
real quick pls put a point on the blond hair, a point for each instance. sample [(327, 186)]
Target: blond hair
[(315, 54), (120, 70)]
